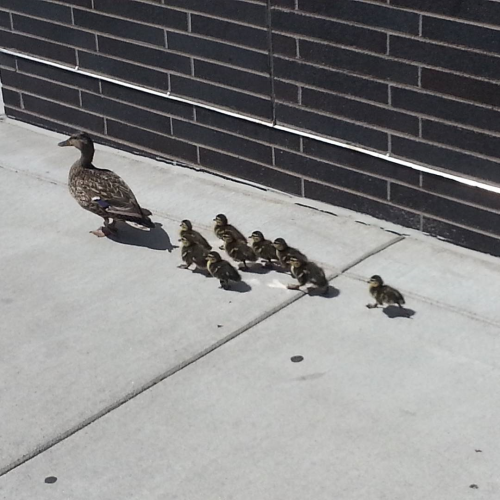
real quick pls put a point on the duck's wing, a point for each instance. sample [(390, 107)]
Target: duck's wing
[(113, 194)]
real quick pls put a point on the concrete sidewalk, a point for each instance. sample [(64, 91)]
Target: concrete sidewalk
[(126, 377)]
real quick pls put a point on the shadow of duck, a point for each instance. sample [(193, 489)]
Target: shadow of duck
[(398, 312), (155, 239)]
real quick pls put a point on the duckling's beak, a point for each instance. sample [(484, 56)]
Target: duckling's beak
[(64, 143)]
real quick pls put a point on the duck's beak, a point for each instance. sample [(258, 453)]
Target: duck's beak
[(64, 143)]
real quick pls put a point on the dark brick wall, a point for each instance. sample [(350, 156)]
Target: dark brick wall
[(416, 79)]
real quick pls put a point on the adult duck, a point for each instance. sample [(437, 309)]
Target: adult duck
[(101, 191)]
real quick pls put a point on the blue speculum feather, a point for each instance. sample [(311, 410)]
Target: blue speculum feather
[(101, 203)]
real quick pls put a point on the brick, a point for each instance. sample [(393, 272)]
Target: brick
[(124, 71), (470, 63), (460, 86), (329, 31), (335, 81), (446, 109), (11, 98), (364, 13), (41, 88), (37, 47), (150, 56), (57, 33), (7, 61), (39, 8), (358, 62), (485, 11), (248, 170), (170, 148), (360, 111), (228, 98), (150, 101), (47, 123), (332, 174), (284, 45), (5, 20), (359, 203), (453, 211), (461, 138), (283, 4), (286, 92), (248, 129), (336, 128), (79, 3), (249, 13), (119, 27), (461, 236), (126, 113), (231, 77), (447, 159), (361, 161), (462, 192), (145, 12), (65, 114), (57, 75), (227, 31), (215, 51), (215, 139), (463, 34)]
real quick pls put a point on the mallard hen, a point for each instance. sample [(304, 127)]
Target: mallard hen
[(101, 191)]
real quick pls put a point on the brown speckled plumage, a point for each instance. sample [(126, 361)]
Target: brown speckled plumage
[(101, 191)]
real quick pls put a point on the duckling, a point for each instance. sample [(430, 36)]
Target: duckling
[(101, 191), (383, 294), (193, 252), (222, 226), (222, 270), (263, 248), (285, 252), (237, 250), (308, 272), (187, 228)]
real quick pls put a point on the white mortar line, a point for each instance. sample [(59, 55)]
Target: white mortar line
[(333, 142)]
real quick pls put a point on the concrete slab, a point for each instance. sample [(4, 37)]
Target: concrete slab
[(444, 274), (86, 323), (178, 193), (379, 408)]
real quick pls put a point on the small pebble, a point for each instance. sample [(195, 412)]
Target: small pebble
[(50, 479), (474, 486), (297, 359)]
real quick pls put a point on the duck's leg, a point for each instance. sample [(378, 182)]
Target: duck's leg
[(106, 230)]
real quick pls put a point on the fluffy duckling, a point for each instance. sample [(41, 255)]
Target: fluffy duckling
[(237, 250), (222, 270), (383, 294), (263, 248), (308, 272), (101, 191), (284, 252), (193, 252), (196, 237), (222, 226)]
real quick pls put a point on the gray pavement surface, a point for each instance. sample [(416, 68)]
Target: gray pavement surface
[(126, 377)]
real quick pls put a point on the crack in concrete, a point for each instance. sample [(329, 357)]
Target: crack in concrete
[(193, 359)]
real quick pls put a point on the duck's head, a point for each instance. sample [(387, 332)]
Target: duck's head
[(280, 244), (295, 262), (375, 281), (80, 140), (186, 225), (257, 236), (213, 257), (220, 220)]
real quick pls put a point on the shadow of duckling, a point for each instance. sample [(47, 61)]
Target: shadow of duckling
[(239, 287), (155, 239), (398, 312), (331, 292)]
